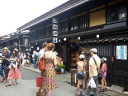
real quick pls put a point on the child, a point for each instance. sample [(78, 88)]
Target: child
[(104, 69)]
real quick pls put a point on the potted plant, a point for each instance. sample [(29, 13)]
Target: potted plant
[(58, 69), (62, 68)]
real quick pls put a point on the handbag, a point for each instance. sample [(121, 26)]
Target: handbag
[(100, 72), (39, 81), (41, 64)]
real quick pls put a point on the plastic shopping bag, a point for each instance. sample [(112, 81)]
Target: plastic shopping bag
[(92, 83)]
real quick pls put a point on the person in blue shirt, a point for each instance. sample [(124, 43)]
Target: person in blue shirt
[(5, 70)]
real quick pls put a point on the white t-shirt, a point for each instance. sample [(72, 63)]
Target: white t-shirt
[(92, 62), (41, 53)]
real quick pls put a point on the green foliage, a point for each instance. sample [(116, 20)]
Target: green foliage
[(62, 66), (58, 69)]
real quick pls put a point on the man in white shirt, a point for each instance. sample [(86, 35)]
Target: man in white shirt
[(42, 51), (41, 55), (93, 73)]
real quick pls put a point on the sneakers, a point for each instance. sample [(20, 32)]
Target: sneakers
[(83, 94), (78, 93)]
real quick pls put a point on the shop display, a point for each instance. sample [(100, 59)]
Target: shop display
[(74, 58)]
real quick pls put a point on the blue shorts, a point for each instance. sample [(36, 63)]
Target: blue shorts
[(104, 76)]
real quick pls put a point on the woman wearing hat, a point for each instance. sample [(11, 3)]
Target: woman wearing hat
[(14, 72), (81, 65), (104, 69), (5, 64)]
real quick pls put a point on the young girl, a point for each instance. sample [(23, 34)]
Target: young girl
[(81, 69), (14, 72), (104, 69)]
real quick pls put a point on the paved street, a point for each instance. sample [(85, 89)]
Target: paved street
[(27, 87)]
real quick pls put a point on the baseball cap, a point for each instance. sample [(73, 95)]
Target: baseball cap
[(93, 50), (104, 58), (5, 48), (82, 56)]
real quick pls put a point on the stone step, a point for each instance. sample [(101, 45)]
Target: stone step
[(117, 88)]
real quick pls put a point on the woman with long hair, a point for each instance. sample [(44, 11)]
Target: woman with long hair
[(49, 71), (14, 72)]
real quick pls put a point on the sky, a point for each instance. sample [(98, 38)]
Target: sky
[(15, 13)]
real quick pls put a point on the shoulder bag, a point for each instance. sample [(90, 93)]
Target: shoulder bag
[(100, 72)]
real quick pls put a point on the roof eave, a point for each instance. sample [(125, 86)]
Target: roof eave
[(62, 8)]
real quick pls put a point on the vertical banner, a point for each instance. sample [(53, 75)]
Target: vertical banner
[(121, 52), (55, 30)]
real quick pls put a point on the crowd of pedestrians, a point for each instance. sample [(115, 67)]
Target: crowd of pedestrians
[(10, 64)]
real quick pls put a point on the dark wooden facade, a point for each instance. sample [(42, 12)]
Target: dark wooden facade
[(107, 18)]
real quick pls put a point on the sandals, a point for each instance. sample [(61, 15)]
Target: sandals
[(15, 83), (5, 81), (8, 85), (2, 80), (105, 89), (101, 90), (83, 94)]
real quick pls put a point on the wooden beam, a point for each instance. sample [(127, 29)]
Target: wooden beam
[(78, 15), (97, 8), (63, 20), (115, 2)]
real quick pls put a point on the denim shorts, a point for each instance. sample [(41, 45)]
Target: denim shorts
[(104, 76)]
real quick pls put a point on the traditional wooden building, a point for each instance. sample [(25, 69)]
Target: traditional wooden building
[(102, 24)]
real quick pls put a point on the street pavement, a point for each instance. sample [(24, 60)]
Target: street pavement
[(27, 87)]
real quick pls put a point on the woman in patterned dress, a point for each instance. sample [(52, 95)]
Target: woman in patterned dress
[(49, 72)]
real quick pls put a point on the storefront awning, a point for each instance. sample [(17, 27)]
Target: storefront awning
[(109, 39)]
